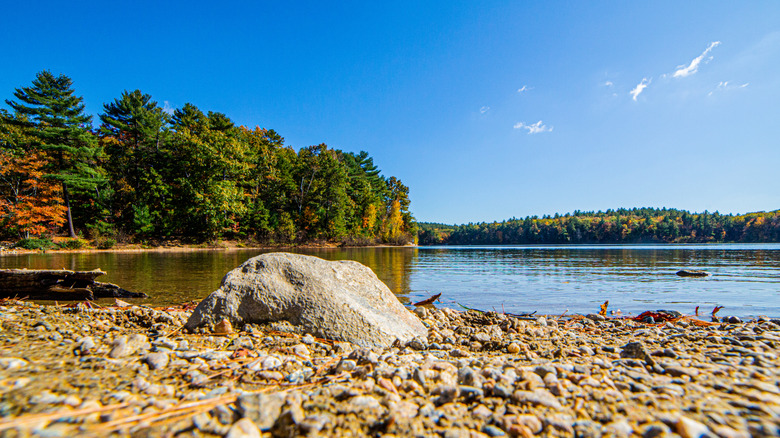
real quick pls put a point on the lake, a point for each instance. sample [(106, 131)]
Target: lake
[(548, 279)]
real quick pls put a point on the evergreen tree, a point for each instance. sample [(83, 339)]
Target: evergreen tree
[(134, 133), (61, 129)]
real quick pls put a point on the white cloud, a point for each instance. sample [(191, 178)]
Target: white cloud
[(608, 84), (725, 86), (484, 109), (639, 88), (683, 71), (523, 89), (167, 108), (534, 128)]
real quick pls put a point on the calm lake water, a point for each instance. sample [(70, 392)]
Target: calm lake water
[(547, 279)]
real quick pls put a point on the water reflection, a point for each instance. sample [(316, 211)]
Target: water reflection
[(175, 277), (550, 279)]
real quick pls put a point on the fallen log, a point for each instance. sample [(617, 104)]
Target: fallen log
[(60, 285)]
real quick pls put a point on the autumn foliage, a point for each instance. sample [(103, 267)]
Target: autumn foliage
[(30, 204)]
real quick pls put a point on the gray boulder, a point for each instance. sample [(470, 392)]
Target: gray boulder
[(342, 300)]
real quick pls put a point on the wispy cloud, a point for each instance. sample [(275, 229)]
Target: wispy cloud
[(683, 71), (639, 88), (167, 107), (726, 86), (608, 84), (484, 109), (524, 88), (534, 128)]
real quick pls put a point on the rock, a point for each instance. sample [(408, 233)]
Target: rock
[(537, 397), (12, 363), (242, 342), (262, 409), (491, 430), (156, 361), (119, 348), (677, 371), (125, 346), (688, 428), (618, 429), (243, 428), (654, 430), (692, 273), (513, 348), (637, 350), (301, 350), (341, 300), (418, 343), (85, 345), (223, 328)]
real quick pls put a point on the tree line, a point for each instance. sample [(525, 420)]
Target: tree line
[(636, 225), (148, 175)]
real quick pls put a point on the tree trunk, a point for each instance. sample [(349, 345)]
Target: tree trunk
[(71, 231)]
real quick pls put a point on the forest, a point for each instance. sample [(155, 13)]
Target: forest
[(146, 175), (636, 225)]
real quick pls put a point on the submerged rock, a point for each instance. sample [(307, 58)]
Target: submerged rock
[(692, 273), (340, 300)]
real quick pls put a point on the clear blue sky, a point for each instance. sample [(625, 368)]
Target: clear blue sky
[(487, 110)]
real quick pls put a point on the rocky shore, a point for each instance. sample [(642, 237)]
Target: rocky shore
[(81, 370)]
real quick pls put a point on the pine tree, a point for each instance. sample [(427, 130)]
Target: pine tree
[(134, 134), (61, 129)]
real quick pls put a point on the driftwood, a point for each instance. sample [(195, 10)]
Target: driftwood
[(428, 301), (60, 285)]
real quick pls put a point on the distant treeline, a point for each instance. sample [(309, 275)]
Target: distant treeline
[(637, 225), (147, 174)]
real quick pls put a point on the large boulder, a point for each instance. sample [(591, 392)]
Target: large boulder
[(342, 300)]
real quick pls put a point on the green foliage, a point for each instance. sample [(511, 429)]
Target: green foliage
[(197, 176), (61, 130), (34, 244), (72, 244), (105, 243)]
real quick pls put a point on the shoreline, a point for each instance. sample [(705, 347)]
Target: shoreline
[(138, 248), (76, 369)]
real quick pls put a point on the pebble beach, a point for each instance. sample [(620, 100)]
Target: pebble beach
[(126, 370)]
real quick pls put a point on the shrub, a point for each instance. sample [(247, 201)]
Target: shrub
[(34, 243), (106, 243), (72, 244)]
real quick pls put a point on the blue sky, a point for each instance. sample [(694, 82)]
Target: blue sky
[(487, 110)]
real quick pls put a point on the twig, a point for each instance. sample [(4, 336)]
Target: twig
[(34, 418), (192, 408)]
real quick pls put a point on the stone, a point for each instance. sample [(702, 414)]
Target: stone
[(242, 342), (341, 300), (243, 428), (655, 429), (677, 371), (262, 409), (12, 363), (689, 428), (491, 430), (85, 345), (156, 361), (637, 350), (537, 397)]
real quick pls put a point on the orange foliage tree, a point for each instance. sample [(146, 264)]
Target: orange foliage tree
[(29, 203)]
